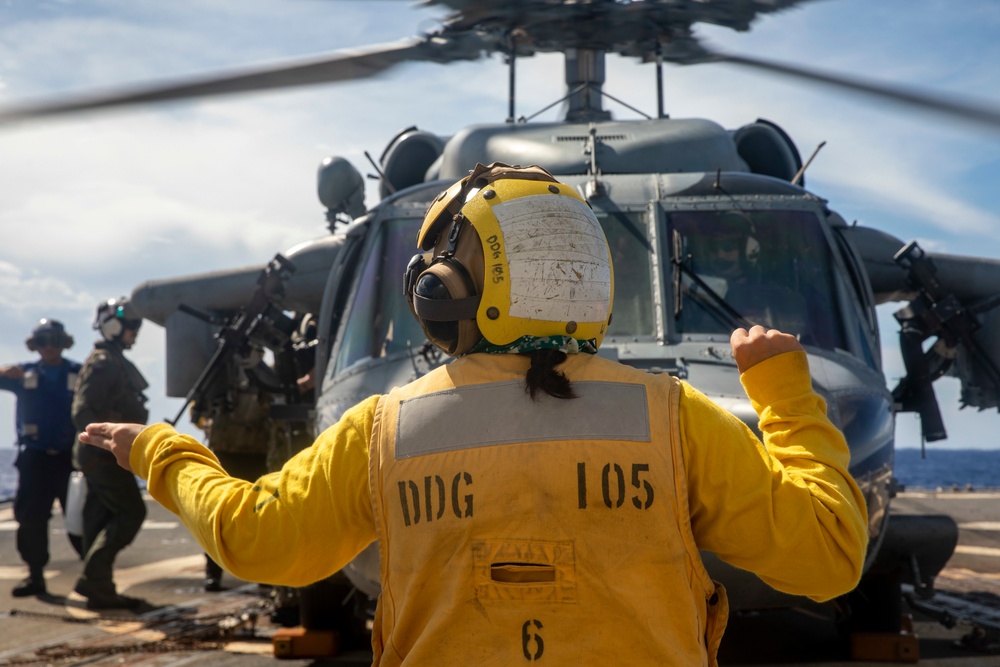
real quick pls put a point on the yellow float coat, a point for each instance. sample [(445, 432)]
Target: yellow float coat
[(501, 543)]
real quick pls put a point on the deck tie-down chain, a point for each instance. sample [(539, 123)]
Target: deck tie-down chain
[(981, 610), (182, 632)]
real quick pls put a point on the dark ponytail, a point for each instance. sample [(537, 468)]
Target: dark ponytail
[(543, 376)]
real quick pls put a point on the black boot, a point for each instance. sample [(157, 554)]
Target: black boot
[(213, 575), (33, 584), (106, 597)]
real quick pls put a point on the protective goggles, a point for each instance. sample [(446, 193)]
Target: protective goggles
[(45, 340)]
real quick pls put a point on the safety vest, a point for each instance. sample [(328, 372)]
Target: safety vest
[(553, 531), (45, 396)]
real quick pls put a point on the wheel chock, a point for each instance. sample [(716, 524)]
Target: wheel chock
[(291, 643), (887, 646)]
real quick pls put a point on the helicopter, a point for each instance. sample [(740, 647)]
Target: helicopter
[(660, 217)]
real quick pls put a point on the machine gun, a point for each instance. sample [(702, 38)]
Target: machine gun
[(236, 333), (933, 312)]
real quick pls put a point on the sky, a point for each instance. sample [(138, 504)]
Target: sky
[(93, 205)]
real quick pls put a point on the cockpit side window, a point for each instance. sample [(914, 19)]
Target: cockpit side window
[(628, 239), (770, 267), (379, 322)]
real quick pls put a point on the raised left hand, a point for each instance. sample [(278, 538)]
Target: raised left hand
[(115, 438)]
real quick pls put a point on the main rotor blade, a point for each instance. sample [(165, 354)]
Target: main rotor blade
[(964, 110), (340, 66)]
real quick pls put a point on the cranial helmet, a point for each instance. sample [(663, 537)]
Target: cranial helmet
[(114, 316), (51, 331), (511, 252)]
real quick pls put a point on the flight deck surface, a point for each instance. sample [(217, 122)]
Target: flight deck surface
[(166, 567)]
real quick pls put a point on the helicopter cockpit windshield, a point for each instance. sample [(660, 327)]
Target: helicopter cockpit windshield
[(770, 267), (729, 268)]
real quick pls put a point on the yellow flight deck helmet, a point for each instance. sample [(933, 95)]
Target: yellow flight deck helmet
[(512, 253)]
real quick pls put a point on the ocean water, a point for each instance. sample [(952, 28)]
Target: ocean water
[(941, 468), (948, 468)]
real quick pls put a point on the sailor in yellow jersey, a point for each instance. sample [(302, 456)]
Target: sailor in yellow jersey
[(534, 502)]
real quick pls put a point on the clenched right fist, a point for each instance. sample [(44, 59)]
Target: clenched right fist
[(754, 346)]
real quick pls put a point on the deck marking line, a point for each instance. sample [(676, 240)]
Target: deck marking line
[(950, 495), (977, 551), (17, 572), (980, 525), (961, 573)]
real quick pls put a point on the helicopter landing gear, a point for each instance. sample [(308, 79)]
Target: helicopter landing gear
[(915, 549), (333, 614), (874, 622)]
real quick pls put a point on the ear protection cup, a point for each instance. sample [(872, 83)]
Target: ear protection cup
[(111, 328), (445, 295), (446, 282)]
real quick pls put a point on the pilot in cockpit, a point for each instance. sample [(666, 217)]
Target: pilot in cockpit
[(728, 258)]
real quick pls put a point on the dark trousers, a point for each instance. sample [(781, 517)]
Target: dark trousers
[(112, 515), (42, 479), (241, 466)]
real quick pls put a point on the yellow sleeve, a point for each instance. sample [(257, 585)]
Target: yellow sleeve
[(292, 527), (786, 509)]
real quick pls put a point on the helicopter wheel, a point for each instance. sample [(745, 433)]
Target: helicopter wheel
[(335, 604), (876, 605)]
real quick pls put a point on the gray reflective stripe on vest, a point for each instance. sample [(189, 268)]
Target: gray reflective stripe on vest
[(502, 413)]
